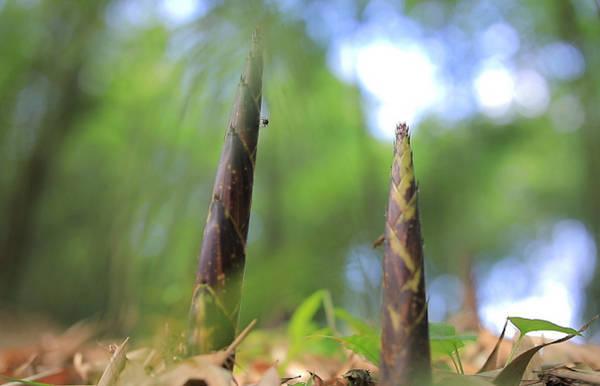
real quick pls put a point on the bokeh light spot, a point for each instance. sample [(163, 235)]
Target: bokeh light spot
[(548, 283), (402, 79), (177, 12), (566, 113), (499, 40), (562, 61), (531, 93), (494, 88)]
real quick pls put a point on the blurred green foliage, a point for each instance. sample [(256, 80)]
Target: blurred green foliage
[(111, 125)]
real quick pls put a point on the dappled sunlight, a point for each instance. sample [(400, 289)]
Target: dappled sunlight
[(453, 64), (494, 87), (548, 283), (499, 40), (561, 60), (176, 12), (403, 68), (401, 79), (392, 72), (115, 115), (123, 15), (531, 93), (406, 72)]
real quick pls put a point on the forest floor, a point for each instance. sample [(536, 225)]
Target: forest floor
[(36, 352)]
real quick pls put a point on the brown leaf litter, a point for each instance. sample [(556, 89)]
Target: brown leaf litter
[(74, 357)]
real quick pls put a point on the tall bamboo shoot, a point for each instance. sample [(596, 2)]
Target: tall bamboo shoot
[(217, 293), (405, 354)]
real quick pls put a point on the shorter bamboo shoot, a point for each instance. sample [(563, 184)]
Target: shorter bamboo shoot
[(405, 355)]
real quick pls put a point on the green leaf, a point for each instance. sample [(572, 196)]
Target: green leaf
[(366, 345), (528, 325), (357, 325), (317, 345), (301, 324), (441, 329), (513, 372), (441, 348), (366, 342), (444, 341), (24, 382)]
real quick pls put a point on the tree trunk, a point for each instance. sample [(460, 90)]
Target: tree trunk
[(54, 130)]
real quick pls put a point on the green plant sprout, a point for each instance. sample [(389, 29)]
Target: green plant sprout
[(302, 326), (529, 325), (444, 341), (24, 381), (365, 340)]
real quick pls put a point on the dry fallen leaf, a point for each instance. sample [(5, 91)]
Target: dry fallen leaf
[(192, 371), (270, 378), (115, 366), (534, 363), (567, 376), (492, 362), (316, 380)]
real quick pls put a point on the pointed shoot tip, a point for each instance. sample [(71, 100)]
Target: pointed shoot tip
[(401, 131)]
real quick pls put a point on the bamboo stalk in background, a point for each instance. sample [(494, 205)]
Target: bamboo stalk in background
[(405, 355), (216, 300)]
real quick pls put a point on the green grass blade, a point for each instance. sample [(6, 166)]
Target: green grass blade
[(301, 324), (357, 325), (367, 346), (23, 381)]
